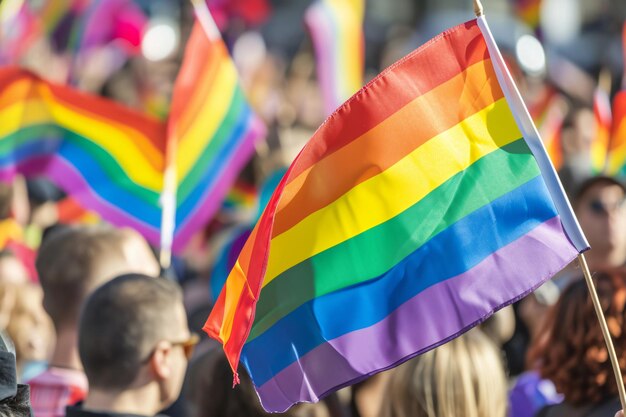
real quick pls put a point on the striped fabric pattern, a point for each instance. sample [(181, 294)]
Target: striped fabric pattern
[(421, 206), (336, 28), (617, 151), (212, 131), (108, 157)]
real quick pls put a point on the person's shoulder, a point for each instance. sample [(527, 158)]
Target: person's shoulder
[(60, 377)]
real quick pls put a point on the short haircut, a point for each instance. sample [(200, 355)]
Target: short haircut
[(67, 265), (120, 325)]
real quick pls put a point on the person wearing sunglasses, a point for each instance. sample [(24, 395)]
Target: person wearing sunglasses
[(135, 344), (600, 205)]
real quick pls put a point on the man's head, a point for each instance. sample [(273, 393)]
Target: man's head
[(133, 333), (75, 261), (600, 208)]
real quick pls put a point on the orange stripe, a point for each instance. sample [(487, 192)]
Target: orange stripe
[(408, 78), (19, 85), (452, 102), (202, 60)]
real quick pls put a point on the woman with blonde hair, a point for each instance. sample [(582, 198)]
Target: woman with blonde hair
[(463, 378)]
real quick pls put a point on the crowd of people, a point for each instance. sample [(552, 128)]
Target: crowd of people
[(91, 326)]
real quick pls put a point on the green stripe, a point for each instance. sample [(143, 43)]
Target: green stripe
[(205, 159), (378, 249), (114, 171)]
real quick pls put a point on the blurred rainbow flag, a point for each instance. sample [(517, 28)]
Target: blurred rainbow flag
[(107, 157), (528, 11), (548, 116), (617, 150), (336, 28), (423, 205), (115, 161), (212, 131)]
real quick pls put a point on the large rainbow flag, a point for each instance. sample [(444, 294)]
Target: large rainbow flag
[(336, 28), (421, 206)]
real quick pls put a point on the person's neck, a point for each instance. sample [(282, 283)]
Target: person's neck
[(142, 401), (66, 350), (605, 259)]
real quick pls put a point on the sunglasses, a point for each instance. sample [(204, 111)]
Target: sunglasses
[(188, 345), (599, 208)]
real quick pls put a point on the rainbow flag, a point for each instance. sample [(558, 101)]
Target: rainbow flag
[(604, 121), (617, 150), (423, 205), (548, 116), (336, 28), (528, 11), (109, 158), (212, 130)]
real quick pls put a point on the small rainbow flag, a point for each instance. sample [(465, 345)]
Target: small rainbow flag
[(529, 12), (108, 157), (336, 27), (604, 121), (212, 131), (421, 206), (617, 151), (548, 116)]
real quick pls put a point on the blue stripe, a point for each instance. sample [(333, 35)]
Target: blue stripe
[(100, 183), (215, 169), (55, 140), (455, 250)]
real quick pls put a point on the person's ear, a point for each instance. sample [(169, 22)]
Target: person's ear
[(160, 361)]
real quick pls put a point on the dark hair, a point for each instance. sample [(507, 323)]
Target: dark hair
[(211, 373), (570, 349), (66, 264), (6, 200), (587, 184), (120, 325)]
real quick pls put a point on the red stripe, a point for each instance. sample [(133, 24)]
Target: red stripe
[(417, 73), (91, 106)]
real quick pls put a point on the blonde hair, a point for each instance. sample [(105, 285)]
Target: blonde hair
[(463, 378)]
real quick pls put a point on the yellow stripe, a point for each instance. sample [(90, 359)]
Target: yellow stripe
[(233, 287), (396, 189), (208, 119), (106, 135), (617, 155)]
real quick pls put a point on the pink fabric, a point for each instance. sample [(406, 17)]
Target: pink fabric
[(55, 389)]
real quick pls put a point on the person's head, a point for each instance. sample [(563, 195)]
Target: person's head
[(578, 131), (133, 334), (74, 261), (570, 349), (464, 377), (599, 206), (211, 373)]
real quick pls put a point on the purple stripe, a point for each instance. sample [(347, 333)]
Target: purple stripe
[(69, 179), (212, 199), (429, 319)]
